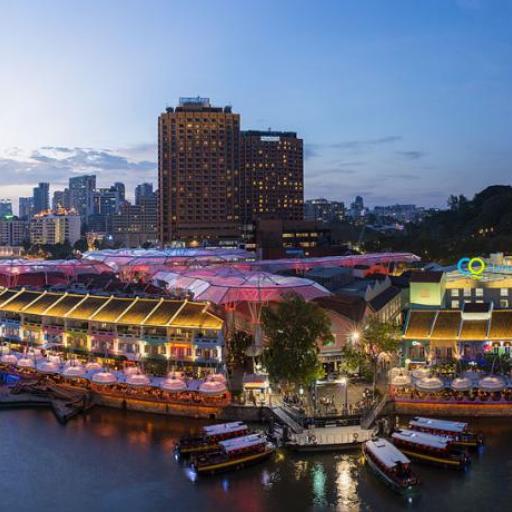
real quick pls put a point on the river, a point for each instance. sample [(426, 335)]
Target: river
[(112, 460)]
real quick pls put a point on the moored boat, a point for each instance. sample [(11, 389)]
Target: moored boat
[(391, 466), (234, 454), (458, 431), (430, 448), (210, 437)]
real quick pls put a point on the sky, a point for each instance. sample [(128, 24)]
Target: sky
[(403, 101)]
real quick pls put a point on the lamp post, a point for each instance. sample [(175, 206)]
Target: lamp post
[(344, 382)]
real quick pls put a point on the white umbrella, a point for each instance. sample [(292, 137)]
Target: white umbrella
[(173, 384), (74, 371), (461, 384), (491, 383), (104, 378), (217, 377), (430, 384), (400, 380), (93, 367), (48, 367), (9, 359), (26, 362), (421, 373), (130, 370), (212, 387), (138, 379)]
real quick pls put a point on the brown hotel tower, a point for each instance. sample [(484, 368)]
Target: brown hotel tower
[(198, 161)]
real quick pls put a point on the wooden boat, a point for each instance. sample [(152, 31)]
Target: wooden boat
[(430, 448), (234, 454), (391, 466), (456, 430), (210, 437)]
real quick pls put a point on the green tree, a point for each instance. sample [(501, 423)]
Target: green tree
[(238, 343), (293, 329)]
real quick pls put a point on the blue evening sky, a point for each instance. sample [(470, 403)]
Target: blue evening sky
[(396, 100)]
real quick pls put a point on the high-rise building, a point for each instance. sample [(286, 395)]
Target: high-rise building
[(81, 195), (25, 208), (55, 228), (41, 197), (272, 176), (5, 208), (60, 199), (143, 190), (13, 231), (121, 191), (136, 225), (198, 178), (325, 211)]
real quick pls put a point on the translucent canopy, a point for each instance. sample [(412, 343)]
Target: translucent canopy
[(400, 380), (26, 362), (138, 379), (48, 367), (429, 384), (93, 367), (74, 371), (104, 378), (212, 387), (9, 359), (491, 383), (225, 285), (173, 384), (461, 384)]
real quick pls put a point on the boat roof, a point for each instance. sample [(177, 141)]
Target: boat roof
[(387, 453), (413, 436), (242, 442), (223, 428), (448, 426)]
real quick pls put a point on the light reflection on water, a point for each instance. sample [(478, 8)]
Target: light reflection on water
[(112, 460)]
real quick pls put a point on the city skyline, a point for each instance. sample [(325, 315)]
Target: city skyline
[(437, 123)]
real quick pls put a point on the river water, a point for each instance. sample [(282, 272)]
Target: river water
[(114, 461)]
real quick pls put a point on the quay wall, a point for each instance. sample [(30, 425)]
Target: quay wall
[(466, 409)]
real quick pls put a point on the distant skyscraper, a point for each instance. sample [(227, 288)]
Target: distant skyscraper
[(143, 190), (26, 207), (41, 197), (60, 199), (81, 195), (5, 208), (198, 178), (271, 176), (121, 191), (325, 211)]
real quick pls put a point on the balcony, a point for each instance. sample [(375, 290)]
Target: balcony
[(154, 339), (204, 342)]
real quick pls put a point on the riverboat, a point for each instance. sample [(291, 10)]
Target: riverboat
[(456, 430), (430, 448), (391, 466), (210, 437), (234, 454)]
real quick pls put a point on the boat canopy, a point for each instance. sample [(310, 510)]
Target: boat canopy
[(387, 453), (422, 438), (238, 443), (224, 428), (448, 426)]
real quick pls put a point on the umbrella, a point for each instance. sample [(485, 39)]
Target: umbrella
[(430, 384), (9, 359), (173, 384), (74, 371), (491, 383), (400, 380), (138, 379), (104, 378), (461, 384)]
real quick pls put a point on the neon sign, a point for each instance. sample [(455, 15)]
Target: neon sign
[(471, 267)]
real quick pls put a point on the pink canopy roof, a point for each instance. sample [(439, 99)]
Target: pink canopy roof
[(227, 285)]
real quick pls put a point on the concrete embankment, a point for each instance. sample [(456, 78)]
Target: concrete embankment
[(453, 409)]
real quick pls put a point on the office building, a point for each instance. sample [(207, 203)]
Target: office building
[(5, 208), (13, 231), (41, 198), (81, 195), (60, 199), (143, 190), (55, 228), (322, 210), (25, 208), (198, 177)]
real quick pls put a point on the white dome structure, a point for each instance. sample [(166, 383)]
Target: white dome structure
[(9, 359), (104, 378), (420, 373), (130, 370), (491, 383), (138, 379), (430, 384), (74, 371), (461, 384), (217, 377), (93, 367), (26, 362), (401, 381), (173, 384), (212, 387), (48, 367)]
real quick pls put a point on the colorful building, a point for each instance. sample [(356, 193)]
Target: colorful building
[(182, 331)]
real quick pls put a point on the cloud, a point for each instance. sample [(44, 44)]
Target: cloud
[(365, 143), (311, 151), (411, 155)]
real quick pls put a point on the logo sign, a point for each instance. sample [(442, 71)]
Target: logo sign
[(471, 267)]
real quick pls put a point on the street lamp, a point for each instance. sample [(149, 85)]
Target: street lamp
[(344, 382)]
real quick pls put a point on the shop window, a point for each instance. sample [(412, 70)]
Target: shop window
[(455, 292), (504, 292), (479, 292)]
